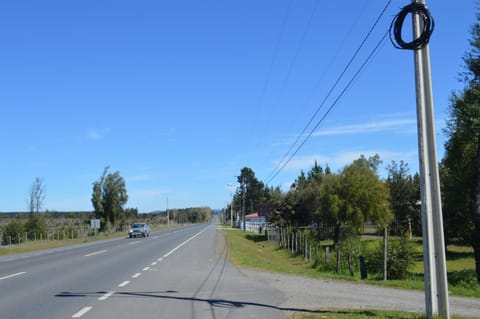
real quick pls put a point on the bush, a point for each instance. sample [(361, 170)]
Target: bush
[(12, 232), (36, 228), (400, 255)]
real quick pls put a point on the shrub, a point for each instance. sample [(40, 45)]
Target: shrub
[(36, 228), (400, 255), (12, 232)]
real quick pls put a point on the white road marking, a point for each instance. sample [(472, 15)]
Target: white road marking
[(135, 242), (153, 264), (123, 284), (13, 275), (146, 268), (96, 253), (184, 243), (136, 275), (160, 259), (155, 237), (106, 296), (82, 312)]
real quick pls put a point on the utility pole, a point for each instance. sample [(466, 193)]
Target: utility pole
[(231, 204), (436, 287), (244, 190)]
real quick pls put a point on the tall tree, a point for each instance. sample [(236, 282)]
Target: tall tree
[(251, 190), (356, 196), (404, 195), (461, 163), (36, 197), (109, 196)]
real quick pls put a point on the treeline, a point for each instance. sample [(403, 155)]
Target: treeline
[(191, 215), (17, 228), (336, 206)]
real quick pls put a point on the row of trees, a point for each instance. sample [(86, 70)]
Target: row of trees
[(337, 205), (334, 202)]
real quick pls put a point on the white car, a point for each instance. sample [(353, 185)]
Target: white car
[(139, 229)]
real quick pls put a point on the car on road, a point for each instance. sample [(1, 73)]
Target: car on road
[(139, 230)]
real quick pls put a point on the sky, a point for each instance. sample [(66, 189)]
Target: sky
[(179, 96)]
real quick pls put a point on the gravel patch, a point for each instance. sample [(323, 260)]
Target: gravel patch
[(320, 294)]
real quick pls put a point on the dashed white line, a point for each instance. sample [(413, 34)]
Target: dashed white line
[(155, 237), (153, 264), (123, 284), (96, 253), (146, 268), (13, 275), (135, 242), (160, 259), (136, 275), (106, 296), (82, 312)]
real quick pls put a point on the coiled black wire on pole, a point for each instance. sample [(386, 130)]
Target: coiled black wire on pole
[(397, 25)]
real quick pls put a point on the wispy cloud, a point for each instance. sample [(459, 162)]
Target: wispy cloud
[(400, 125), (97, 134)]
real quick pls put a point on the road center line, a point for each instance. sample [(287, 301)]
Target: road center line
[(184, 243), (160, 259), (106, 296), (136, 275), (146, 268), (123, 284), (96, 253), (134, 242), (82, 312), (13, 275), (153, 264)]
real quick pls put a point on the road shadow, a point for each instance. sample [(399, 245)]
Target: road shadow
[(212, 302)]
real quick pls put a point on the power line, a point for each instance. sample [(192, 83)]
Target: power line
[(284, 159), (274, 56), (342, 93)]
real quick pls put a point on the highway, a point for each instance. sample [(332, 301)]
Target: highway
[(178, 273)]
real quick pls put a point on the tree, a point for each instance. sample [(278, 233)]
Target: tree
[(357, 195), (460, 165), (250, 194), (108, 197), (404, 195), (36, 196)]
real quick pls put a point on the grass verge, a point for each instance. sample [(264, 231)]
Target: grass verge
[(252, 250)]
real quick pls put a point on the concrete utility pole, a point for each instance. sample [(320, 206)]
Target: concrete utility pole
[(436, 287), (244, 190), (230, 188)]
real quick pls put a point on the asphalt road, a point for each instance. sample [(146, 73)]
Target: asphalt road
[(173, 274), (180, 273)]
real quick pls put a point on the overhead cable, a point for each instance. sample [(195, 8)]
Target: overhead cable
[(342, 93), (284, 161)]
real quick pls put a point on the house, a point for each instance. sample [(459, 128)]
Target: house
[(254, 222)]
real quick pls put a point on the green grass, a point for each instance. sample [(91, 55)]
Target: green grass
[(252, 250), (358, 314)]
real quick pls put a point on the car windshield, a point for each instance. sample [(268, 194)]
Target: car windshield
[(137, 225)]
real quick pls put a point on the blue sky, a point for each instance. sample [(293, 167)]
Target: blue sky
[(179, 95)]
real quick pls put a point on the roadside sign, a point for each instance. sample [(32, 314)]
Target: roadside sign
[(95, 223)]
